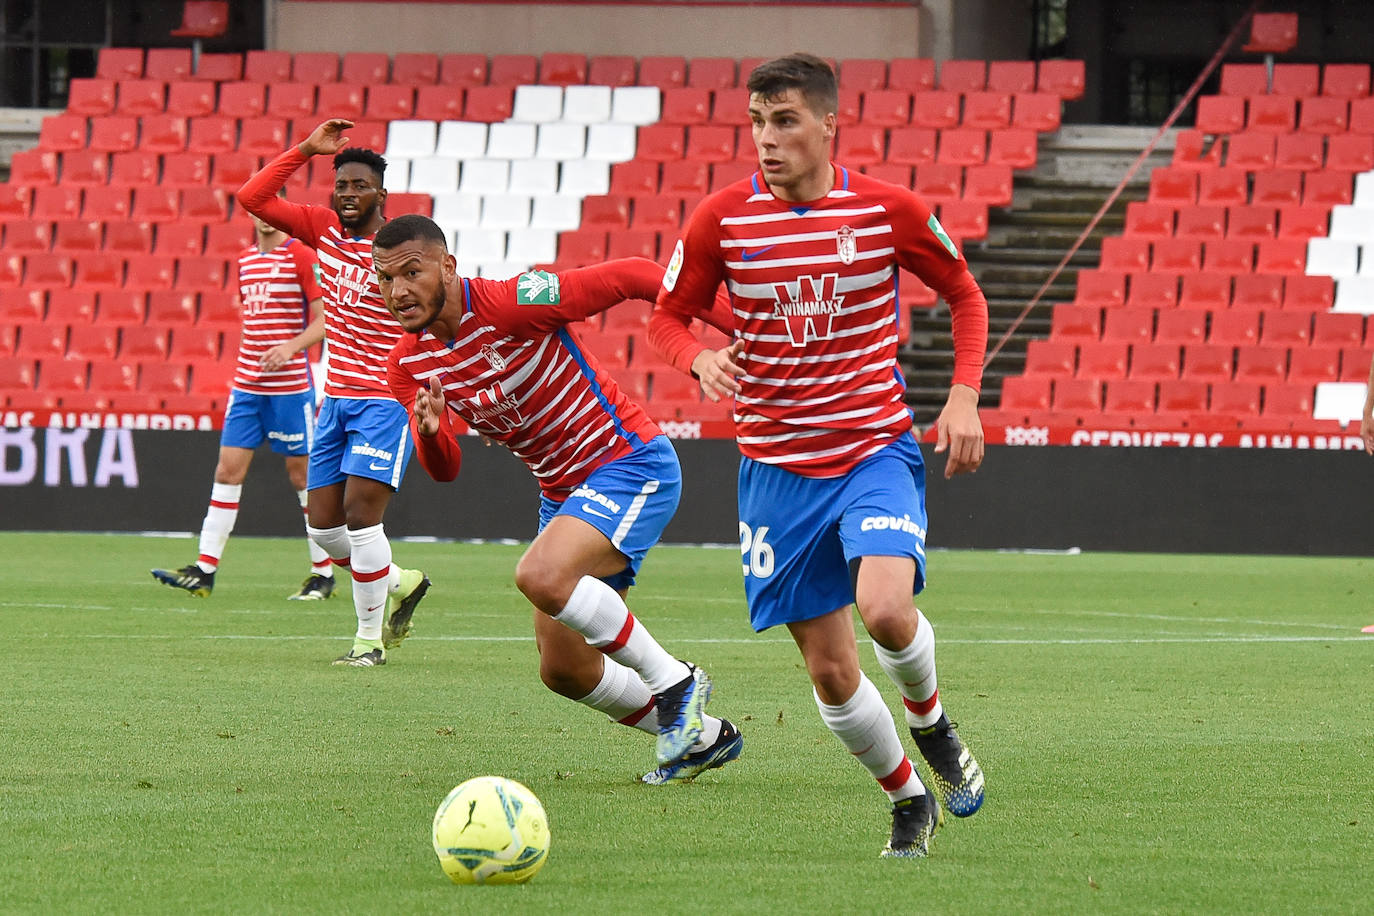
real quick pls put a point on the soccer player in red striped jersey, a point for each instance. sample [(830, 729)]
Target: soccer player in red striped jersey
[(362, 443), (832, 483), (272, 399), (500, 357)]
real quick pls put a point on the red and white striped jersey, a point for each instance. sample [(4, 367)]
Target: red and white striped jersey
[(814, 291), (358, 327), (517, 375), (275, 291)]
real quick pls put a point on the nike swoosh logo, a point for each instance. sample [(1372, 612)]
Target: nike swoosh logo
[(590, 511), (379, 467), (749, 256)]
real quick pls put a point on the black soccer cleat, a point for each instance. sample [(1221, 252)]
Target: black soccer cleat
[(396, 626), (191, 578), (726, 748), (314, 588), (914, 822), (955, 773)]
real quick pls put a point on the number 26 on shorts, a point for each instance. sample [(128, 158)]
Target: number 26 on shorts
[(756, 551)]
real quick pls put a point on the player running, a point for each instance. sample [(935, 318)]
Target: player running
[(831, 481), (272, 399), (499, 356), (362, 445)]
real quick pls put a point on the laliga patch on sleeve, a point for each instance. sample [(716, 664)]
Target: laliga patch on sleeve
[(934, 225), (538, 287), (674, 268)]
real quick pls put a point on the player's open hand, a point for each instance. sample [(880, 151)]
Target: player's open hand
[(717, 371), (327, 139), (959, 432), (429, 406)]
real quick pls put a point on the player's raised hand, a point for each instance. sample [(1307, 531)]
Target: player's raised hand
[(718, 369), (960, 432), (429, 407), (327, 139)]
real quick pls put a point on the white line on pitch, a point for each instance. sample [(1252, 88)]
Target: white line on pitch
[(1127, 641)]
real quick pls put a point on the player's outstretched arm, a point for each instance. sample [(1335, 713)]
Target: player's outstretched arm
[(959, 431), (435, 446), (259, 194)]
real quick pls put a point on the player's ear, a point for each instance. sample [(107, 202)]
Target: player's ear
[(828, 124), (450, 268)]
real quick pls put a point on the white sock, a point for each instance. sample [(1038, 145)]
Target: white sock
[(912, 669), (864, 725), (371, 559), (219, 522), (625, 697), (319, 557), (334, 541), (596, 611)]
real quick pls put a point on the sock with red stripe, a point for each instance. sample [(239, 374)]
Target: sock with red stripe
[(219, 522), (319, 557), (371, 559), (334, 541), (596, 612), (912, 669), (625, 697), (864, 725)]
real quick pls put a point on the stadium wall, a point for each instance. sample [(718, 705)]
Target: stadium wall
[(1281, 499)]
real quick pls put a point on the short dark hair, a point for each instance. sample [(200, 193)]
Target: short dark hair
[(804, 72), (367, 157), (409, 228)]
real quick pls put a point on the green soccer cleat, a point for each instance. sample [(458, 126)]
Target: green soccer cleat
[(190, 578), (680, 709), (914, 822), (396, 626), (314, 588)]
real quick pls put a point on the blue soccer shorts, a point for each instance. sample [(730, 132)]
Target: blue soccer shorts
[(798, 534), (630, 500), (286, 421), (360, 437)]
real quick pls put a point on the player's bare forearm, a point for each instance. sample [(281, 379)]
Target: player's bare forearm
[(959, 431)]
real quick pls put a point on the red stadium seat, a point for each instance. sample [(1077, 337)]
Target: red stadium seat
[(170, 307), (1100, 288), (163, 378), (860, 144), (658, 212), (227, 240), (1272, 113), (1103, 359), (1302, 222), (339, 100), (1014, 147), (119, 63), (1280, 256), (56, 202), (134, 168), (964, 219), (988, 184), (1234, 328), (390, 102), (712, 72), (1286, 329), (109, 377), (287, 100), (1277, 188), (314, 67), (122, 306), (174, 242), (1204, 290), (1208, 362), (887, 107), (1282, 402), (632, 243), (220, 68), (1022, 393), (1064, 78), (1077, 396), (1175, 255), (89, 97), (1174, 186), (892, 173), (439, 103), (938, 109), (1151, 291), (1299, 151), (686, 105), (204, 205), (639, 177), (911, 74), (1346, 81), (1201, 223), (1235, 399), (1314, 364), (1223, 186), (911, 145), (1251, 222), (1011, 76), (1220, 114), (155, 204), (1075, 322), (149, 272), (367, 68), (963, 75), (466, 70), (1193, 150), (99, 270), (39, 167), (1257, 292), (682, 176), (1355, 364), (987, 110), (1123, 254), (1229, 256), (1295, 79), (488, 103), (1155, 362), (1337, 329), (1131, 323), (582, 246), (1353, 152), (112, 134), (611, 70), (62, 375), (1181, 398), (41, 340), (200, 274), (1130, 396), (1261, 364), (1324, 115), (185, 170), (191, 99), (1252, 151), (1149, 221), (1244, 79), (85, 168), (93, 342), (30, 236), (862, 74), (231, 170), (1313, 294), (513, 70), (212, 135), (1050, 358), (663, 72), (963, 146), (167, 133), (262, 137), (607, 210), (1037, 111), (711, 143)]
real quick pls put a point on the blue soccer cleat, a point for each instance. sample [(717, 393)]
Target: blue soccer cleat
[(680, 709), (956, 774), (726, 748)]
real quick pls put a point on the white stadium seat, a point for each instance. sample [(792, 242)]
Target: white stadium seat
[(458, 210), (537, 104), (478, 246), (411, 138), (611, 142), (1342, 401), (461, 140), (1354, 294), (561, 141), (484, 176), (635, 104), (434, 175), (1354, 224), (1364, 190), (532, 246), (501, 270), (583, 177), (556, 212), (533, 176), (505, 211), (587, 104), (397, 173), (1332, 257), (511, 141)]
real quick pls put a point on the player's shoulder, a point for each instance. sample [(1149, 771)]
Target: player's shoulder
[(863, 185)]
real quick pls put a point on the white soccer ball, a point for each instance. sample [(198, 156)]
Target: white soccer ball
[(491, 830)]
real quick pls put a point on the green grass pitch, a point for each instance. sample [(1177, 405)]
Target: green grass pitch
[(1160, 734)]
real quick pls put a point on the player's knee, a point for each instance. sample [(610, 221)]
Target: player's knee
[(890, 621), (835, 679), (541, 584)]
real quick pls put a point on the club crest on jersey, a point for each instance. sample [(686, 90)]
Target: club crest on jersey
[(845, 244), (538, 287), (494, 359), (808, 306), (496, 410)]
